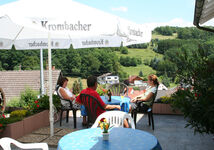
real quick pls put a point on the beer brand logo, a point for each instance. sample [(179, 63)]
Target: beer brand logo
[(43, 44), (66, 26), (93, 42)]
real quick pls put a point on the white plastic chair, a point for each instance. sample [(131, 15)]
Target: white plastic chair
[(6, 142), (115, 118)]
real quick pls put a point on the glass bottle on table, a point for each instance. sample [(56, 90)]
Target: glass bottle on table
[(109, 95)]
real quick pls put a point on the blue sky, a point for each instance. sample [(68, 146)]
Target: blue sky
[(163, 12)]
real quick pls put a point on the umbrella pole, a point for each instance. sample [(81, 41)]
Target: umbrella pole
[(42, 89), (50, 87)]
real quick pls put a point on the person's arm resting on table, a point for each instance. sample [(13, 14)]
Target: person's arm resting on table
[(106, 106), (112, 107)]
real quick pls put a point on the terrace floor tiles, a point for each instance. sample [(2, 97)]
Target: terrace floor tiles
[(33, 138), (46, 131), (64, 132), (52, 141)]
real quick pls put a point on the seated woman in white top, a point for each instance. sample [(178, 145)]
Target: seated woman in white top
[(65, 93), (142, 102)]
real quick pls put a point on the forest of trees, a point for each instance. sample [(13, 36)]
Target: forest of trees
[(188, 42), (96, 61), (76, 63)]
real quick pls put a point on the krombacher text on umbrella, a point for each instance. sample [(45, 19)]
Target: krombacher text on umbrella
[(44, 44), (93, 42), (66, 26)]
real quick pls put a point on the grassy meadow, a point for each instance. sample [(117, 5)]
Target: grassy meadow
[(144, 55), (161, 37), (71, 81)]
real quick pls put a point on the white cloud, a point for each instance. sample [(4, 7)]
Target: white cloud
[(121, 8), (174, 22)]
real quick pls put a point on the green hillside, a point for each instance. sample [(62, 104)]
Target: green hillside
[(161, 37), (146, 55)]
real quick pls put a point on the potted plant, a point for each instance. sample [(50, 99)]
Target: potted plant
[(104, 125)]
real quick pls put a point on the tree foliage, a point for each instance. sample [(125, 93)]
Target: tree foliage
[(130, 61), (165, 30), (197, 103), (139, 46)]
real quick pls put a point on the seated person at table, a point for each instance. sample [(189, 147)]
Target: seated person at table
[(91, 90), (143, 101), (65, 93)]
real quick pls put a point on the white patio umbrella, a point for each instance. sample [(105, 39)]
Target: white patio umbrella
[(25, 38), (75, 19), (85, 26)]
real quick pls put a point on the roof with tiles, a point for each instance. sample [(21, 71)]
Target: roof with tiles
[(134, 77), (13, 82)]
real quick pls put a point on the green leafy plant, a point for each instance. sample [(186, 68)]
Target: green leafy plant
[(76, 87), (196, 69), (28, 97), (101, 89), (4, 121), (14, 102), (43, 103)]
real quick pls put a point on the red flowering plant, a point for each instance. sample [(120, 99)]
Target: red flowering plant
[(34, 106), (101, 90), (2, 122), (42, 103)]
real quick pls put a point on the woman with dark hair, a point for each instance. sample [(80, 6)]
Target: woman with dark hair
[(63, 91), (143, 101)]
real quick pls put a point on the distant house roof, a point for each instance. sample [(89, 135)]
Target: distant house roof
[(13, 82), (162, 87), (133, 78)]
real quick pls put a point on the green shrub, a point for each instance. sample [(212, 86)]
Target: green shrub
[(19, 113), (44, 102), (196, 69), (28, 97), (136, 88), (76, 87), (166, 100), (14, 102), (101, 90), (5, 121)]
